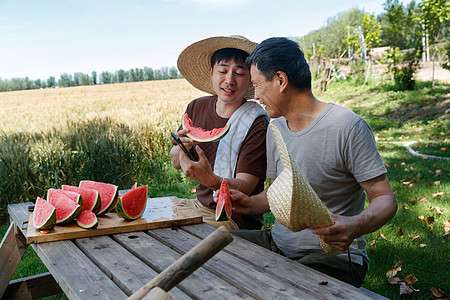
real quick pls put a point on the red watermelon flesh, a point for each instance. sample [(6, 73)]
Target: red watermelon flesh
[(91, 199), (201, 135), (223, 208), (108, 194), (76, 197), (66, 208), (44, 215), (132, 204), (87, 220)]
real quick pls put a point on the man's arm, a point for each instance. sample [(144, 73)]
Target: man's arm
[(202, 172), (381, 209)]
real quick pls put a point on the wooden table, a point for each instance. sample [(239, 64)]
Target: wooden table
[(115, 266)]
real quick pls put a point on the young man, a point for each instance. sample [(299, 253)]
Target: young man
[(217, 66), (335, 150)]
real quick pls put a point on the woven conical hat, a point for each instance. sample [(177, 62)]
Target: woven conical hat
[(292, 200)]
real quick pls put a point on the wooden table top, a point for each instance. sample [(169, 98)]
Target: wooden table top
[(115, 266)]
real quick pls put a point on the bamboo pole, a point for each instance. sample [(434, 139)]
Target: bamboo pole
[(188, 263)]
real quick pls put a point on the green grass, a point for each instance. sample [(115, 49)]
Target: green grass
[(104, 150)]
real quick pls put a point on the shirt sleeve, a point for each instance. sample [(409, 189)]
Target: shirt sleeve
[(362, 157)]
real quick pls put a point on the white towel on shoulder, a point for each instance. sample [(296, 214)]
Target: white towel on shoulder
[(229, 146)]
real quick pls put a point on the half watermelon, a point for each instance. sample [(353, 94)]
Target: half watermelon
[(91, 199), (66, 209), (132, 204), (223, 208), (44, 215), (87, 220), (201, 135), (108, 194)]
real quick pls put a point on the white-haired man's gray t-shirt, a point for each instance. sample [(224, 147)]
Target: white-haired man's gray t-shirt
[(335, 153)]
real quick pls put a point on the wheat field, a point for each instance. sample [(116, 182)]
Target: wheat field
[(134, 104)]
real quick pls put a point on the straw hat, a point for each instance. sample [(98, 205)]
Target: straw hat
[(195, 61), (292, 200)]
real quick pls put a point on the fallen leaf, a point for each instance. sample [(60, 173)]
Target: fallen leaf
[(406, 170), (422, 245), (406, 289), (420, 176), (193, 190), (438, 210), (400, 231), (413, 200), (391, 273), (437, 292), (446, 225), (423, 200), (420, 217), (430, 219), (415, 238), (382, 235), (438, 172), (444, 148), (437, 183), (409, 279), (394, 280), (405, 182), (405, 207), (374, 241), (438, 194)]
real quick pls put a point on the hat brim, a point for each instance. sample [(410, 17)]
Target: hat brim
[(195, 61)]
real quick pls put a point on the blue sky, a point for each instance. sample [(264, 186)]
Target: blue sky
[(46, 38)]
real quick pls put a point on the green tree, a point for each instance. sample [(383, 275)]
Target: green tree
[(433, 15), (395, 20), (173, 73), (51, 82), (94, 77), (372, 31)]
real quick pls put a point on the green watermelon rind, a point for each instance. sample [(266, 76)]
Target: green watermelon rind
[(192, 129), (224, 198), (121, 212), (49, 223), (93, 225), (223, 214)]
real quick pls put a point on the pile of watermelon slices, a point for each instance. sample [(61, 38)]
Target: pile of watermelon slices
[(86, 202)]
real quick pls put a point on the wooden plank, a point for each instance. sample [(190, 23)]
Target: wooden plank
[(33, 287), (160, 212), (201, 284), (12, 249), (75, 273), (301, 276), (126, 270), (19, 214), (238, 272)]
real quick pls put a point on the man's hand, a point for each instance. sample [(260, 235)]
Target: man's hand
[(175, 151), (199, 171), (341, 234), (243, 204), (381, 209)]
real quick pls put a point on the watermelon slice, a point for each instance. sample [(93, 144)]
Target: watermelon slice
[(66, 209), (201, 135), (132, 204), (108, 194), (87, 220), (91, 199), (223, 208), (44, 215)]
